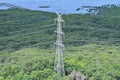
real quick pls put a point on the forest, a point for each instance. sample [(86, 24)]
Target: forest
[(92, 44)]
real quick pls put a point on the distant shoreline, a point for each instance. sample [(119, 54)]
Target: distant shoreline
[(7, 5)]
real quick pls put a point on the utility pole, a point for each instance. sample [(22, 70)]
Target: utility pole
[(59, 62)]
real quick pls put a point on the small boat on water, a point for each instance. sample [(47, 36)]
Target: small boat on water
[(44, 6)]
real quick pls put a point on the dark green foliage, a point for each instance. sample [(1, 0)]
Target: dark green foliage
[(96, 37)]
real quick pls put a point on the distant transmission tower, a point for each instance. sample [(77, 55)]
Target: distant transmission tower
[(59, 63)]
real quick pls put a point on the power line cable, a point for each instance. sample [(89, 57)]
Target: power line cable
[(11, 21), (27, 34), (28, 24), (70, 41), (78, 39), (18, 20), (27, 46), (30, 29), (73, 40), (25, 42), (92, 28)]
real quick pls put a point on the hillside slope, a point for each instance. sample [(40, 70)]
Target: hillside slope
[(31, 27), (92, 44)]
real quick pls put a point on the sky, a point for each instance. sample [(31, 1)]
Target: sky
[(63, 6)]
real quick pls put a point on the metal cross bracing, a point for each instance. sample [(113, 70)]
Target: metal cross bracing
[(59, 62)]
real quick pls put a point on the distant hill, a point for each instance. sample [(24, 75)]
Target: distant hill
[(80, 29), (10, 5)]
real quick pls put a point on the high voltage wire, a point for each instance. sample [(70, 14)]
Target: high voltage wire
[(73, 40), (25, 42), (27, 46), (78, 39), (30, 29), (40, 39), (22, 25), (93, 28), (18, 20), (27, 34), (15, 44), (11, 21)]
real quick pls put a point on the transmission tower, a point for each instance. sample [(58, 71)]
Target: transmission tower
[(59, 62)]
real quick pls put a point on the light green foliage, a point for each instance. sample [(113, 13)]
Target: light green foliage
[(88, 60), (92, 45), (1, 78), (28, 66)]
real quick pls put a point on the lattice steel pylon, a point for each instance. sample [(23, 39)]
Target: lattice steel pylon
[(59, 62)]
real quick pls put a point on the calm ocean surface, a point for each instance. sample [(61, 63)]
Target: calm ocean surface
[(62, 6)]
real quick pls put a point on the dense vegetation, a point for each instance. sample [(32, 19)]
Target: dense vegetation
[(92, 44)]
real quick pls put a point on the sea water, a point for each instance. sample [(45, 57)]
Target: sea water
[(61, 6)]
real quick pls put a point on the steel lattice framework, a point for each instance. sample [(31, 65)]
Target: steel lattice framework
[(59, 62)]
